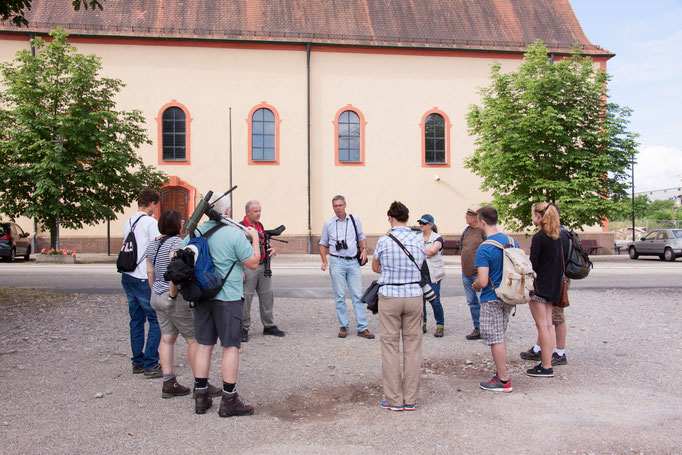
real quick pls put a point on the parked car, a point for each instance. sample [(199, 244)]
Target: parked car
[(13, 241), (664, 243)]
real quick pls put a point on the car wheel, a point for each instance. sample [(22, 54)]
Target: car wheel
[(12, 255), (27, 256), (669, 255), (633, 253)]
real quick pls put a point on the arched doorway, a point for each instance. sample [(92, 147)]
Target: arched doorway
[(178, 195)]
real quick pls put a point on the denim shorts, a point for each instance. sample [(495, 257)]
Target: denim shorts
[(215, 319), (494, 320)]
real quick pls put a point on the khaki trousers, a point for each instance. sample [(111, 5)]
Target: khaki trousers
[(401, 316), (256, 282)]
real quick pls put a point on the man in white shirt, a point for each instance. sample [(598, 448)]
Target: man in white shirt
[(145, 357)]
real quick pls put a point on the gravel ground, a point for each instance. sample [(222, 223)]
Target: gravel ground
[(66, 380)]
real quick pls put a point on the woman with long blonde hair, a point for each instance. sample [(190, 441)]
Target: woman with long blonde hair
[(546, 257)]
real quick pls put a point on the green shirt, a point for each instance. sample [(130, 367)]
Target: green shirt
[(228, 245)]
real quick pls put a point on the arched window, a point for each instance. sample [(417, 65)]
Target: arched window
[(263, 135), (435, 139), (349, 141), (174, 138)]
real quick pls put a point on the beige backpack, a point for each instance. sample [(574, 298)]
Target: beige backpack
[(517, 274)]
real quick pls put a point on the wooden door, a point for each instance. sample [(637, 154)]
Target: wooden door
[(176, 198)]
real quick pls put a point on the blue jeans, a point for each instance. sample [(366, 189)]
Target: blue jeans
[(139, 294), (347, 271), (473, 299), (436, 305)]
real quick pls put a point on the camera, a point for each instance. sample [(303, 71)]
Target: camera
[(429, 295), (341, 245)]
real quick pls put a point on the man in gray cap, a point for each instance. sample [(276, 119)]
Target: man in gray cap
[(472, 237)]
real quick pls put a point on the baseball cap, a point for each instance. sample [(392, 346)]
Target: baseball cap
[(426, 219)]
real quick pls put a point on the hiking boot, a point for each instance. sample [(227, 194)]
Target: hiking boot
[(385, 405), (213, 391), (202, 401), (154, 372), (245, 335), (138, 369), (274, 331), (424, 327), (558, 359), (366, 334), (440, 330), (171, 388), (232, 405), (531, 355), (495, 385), (343, 332), (538, 371), (474, 335)]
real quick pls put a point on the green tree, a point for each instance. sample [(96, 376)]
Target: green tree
[(66, 153), (546, 132), (15, 9)]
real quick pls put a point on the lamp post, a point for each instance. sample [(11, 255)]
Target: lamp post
[(59, 142), (632, 174)]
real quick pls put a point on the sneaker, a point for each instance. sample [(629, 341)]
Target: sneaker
[(343, 332), (231, 405), (213, 391), (245, 335), (531, 355), (474, 335), (440, 330), (154, 372), (538, 371), (495, 385), (424, 327), (384, 405), (138, 369), (558, 359), (410, 407), (171, 388), (366, 334), (274, 331), (202, 401)]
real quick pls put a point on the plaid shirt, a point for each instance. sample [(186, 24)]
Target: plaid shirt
[(396, 266)]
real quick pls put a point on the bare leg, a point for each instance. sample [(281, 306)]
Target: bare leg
[(202, 360), (166, 352), (499, 352), (560, 335), (542, 312), (192, 347), (230, 364)]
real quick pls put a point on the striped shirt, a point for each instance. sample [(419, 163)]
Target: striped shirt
[(396, 266), (162, 260)]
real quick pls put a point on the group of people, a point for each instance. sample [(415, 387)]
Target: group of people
[(405, 260)]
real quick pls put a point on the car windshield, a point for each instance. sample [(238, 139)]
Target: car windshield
[(677, 233)]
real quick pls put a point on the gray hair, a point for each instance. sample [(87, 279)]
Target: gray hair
[(222, 205), (338, 197), (250, 204)]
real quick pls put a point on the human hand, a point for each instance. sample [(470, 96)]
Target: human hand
[(324, 266)]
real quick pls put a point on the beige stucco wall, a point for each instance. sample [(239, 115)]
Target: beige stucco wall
[(392, 91)]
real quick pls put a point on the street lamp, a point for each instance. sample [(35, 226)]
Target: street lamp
[(632, 174), (59, 142)]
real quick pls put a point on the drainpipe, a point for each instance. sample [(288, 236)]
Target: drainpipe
[(31, 36), (310, 231), (551, 59)]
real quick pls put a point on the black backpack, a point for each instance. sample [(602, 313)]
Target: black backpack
[(127, 257), (578, 263)]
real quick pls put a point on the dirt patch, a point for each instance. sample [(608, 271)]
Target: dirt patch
[(18, 297), (465, 368)]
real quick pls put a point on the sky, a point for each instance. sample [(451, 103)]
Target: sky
[(646, 37)]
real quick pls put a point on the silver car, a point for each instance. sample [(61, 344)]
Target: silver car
[(664, 243)]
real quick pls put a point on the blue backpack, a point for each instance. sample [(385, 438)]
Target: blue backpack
[(205, 283)]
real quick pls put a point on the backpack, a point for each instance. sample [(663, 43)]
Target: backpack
[(578, 263), (193, 271), (127, 257), (518, 275)]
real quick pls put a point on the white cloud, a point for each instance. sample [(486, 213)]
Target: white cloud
[(658, 167)]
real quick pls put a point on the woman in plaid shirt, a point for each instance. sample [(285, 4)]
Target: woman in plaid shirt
[(400, 310)]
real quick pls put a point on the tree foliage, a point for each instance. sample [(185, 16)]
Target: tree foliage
[(547, 132), (58, 96), (15, 9)]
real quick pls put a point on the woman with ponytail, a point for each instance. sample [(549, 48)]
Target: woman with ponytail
[(546, 257)]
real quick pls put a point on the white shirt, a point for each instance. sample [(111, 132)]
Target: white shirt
[(146, 230)]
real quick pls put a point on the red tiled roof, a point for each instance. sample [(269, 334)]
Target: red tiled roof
[(503, 25)]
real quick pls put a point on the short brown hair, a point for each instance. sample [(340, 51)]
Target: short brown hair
[(147, 197), (488, 214), (170, 223), (398, 211)]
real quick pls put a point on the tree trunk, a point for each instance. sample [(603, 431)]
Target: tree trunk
[(53, 232)]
